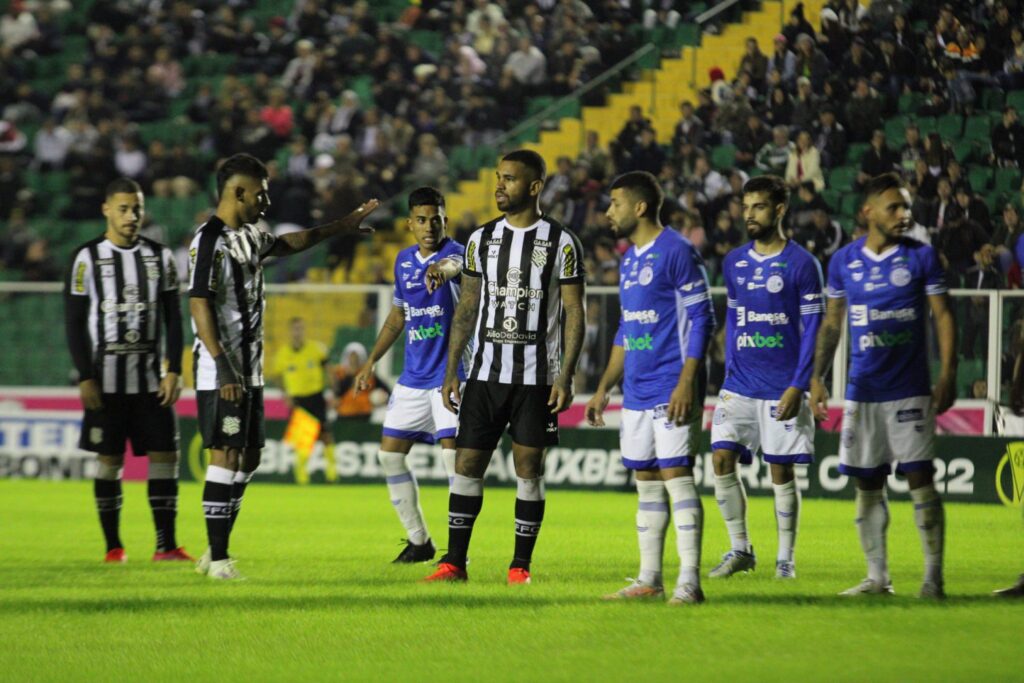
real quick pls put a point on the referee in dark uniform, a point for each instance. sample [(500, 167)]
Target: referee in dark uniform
[(121, 298), (522, 298)]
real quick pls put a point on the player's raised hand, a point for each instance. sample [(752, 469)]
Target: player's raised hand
[(451, 396), (819, 399), (680, 403), (561, 395), (789, 404), (170, 389), (354, 221), (364, 377), (944, 393), (92, 397), (595, 409)]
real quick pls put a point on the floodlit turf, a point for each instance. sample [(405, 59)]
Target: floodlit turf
[(323, 602)]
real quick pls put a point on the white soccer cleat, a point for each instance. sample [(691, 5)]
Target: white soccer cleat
[(785, 570), (733, 562), (637, 590), (869, 587), (687, 594), (224, 570), (203, 563), (932, 590)]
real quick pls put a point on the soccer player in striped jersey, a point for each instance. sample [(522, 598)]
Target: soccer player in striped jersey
[(886, 284), (774, 310), (426, 293), (227, 301), (522, 271), (121, 297), (666, 324)]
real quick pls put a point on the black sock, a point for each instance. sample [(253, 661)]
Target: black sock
[(462, 513), (163, 501), (108, 504), (217, 509), (529, 515)]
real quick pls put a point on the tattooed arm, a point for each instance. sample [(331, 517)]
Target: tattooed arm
[(463, 325)]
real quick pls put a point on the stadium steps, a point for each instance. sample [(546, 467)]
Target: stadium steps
[(658, 91)]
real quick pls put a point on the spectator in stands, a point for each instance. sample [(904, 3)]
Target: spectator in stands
[(1008, 232), (936, 153), (173, 173), (863, 112), (18, 30), (797, 25), (689, 128), (430, 164), (806, 105), (732, 116), (774, 155), (750, 140), (277, 114), (782, 62), (710, 183), (804, 163), (52, 144), (167, 72), (527, 64), (912, 150), (646, 155), (1012, 76), (810, 61), (923, 182), (780, 108), (299, 73), (754, 63), (596, 158), (129, 159), (965, 246), (806, 201), (972, 208), (830, 138), (724, 238), (878, 159), (821, 236), (1008, 140), (896, 64), (942, 210)]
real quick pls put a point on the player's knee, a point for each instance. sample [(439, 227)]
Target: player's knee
[(166, 457), (782, 473), (109, 468), (530, 489), (724, 461), (391, 463), (920, 478), (471, 464)]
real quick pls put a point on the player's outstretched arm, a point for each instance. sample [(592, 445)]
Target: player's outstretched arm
[(575, 327), (389, 334), (76, 317), (824, 352), (441, 272), (294, 242), (170, 384), (612, 374), (229, 382), (463, 324), (944, 392)]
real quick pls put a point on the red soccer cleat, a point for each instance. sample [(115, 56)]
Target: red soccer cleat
[(176, 555), (518, 575), (116, 556), (447, 572)]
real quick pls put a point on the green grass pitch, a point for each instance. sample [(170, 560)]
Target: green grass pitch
[(322, 601)]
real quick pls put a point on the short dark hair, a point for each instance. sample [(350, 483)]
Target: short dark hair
[(644, 186), (881, 184), (122, 184), (426, 196), (771, 185), (240, 164), (531, 160)]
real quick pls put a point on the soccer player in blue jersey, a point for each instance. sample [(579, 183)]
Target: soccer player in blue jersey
[(885, 284), (659, 350), (426, 293), (775, 305)]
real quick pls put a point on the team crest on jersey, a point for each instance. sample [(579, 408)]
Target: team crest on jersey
[(96, 434), (79, 285), (646, 275), (132, 336), (231, 426), (130, 293), (740, 280), (510, 324), (900, 277), (568, 261), (539, 257), (152, 272), (857, 277), (513, 276), (775, 284)]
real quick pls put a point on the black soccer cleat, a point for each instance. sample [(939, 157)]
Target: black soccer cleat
[(412, 553)]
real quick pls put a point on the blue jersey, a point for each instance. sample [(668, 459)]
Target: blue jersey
[(666, 317), (428, 317), (887, 306), (774, 311), (1018, 252)]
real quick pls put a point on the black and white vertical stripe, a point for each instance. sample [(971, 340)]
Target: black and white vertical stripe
[(517, 338), (124, 287)]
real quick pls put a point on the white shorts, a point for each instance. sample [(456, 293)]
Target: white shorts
[(875, 435), (419, 415), (648, 440), (742, 424)]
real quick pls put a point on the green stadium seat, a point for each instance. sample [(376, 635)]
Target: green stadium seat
[(895, 127), (1016, 99), (363, 86), (928, 124), (950, 127), (993, 100), (909, 102), (980, 178), (723, 157), (842, 178), (978, 128), (1006, 180), (538, 104), (851, 204), (832, 197), (856, 152), (687, 34), (484, 156), (460, 161), (962, 150)]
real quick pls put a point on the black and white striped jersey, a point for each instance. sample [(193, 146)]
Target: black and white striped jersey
[(123, 287), (518, 331), (226, 267)]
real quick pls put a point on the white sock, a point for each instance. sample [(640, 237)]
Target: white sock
[(651, 522), (931, 523), (787, 516), (872, 525), (688, 516), (405, 495), (732, 501), (448, 458)]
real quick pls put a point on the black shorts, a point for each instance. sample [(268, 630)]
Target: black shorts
[(224, 424), (314, 404), (487, 407), (151, 427)]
